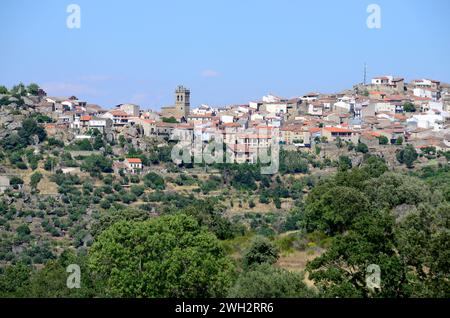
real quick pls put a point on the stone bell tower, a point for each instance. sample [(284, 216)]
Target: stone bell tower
[(182, 101)]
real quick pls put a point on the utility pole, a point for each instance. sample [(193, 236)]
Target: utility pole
[(365, 73)]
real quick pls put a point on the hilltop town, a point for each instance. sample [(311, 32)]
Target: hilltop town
[(386, 112), (72, 173)]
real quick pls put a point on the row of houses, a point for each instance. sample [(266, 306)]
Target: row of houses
[(365, 113)]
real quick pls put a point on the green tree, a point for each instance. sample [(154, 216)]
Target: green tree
[(98, 142), (15, 182), (96, 164), (374, 166), (344, 163), (35, 178), (13, 142), (23, 230), (154, 181), (399, 141), (19, 90), (293, 162), (31, 128), (50, 163), (51, 280), (116, 215), (424, 244), (407, 156), (362, 147), (332, 209), (342, 270), (33, 89), (14, 280), (339, 142), (137, 190), (409, 107), (261, 250), (209, 214), (3, 90), (83, 145), (170, 256), (55, 142), (383, 140), (169, 120), (393, 189)]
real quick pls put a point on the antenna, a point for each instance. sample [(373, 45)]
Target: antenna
[(365, 73)]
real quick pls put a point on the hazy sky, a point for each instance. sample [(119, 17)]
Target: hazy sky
[(225, 51)]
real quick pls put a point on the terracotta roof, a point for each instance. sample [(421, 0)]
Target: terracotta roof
[(119, 113), (184, 126), (134, 160), (337, 130), (421, 98), (395, 97), (85, 118), (314, 129)]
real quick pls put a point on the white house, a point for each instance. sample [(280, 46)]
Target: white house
[(315, 109), (226, 118), (131, 109), (385, 107), (203, 110), (133, 165), (431, 93), (342, 106), (431, 119), (102, 124), (118, 117), (276, 108)]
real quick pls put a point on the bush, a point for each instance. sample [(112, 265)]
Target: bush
[(362, 147), (383, 140), (96, 164), (35, 179), (137, 190), (261, 251), (266, 281), (154, 181)]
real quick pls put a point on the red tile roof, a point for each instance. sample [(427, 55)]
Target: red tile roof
[(337, 130), (314, 129), (134, 160), (119, 113)]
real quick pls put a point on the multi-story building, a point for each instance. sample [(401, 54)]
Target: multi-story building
[(345, 134), (119, 117), (131, 109)]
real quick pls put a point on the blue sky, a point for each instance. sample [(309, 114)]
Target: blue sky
[(225, 51)]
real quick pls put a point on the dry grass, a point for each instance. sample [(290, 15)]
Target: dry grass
[(296, 262)]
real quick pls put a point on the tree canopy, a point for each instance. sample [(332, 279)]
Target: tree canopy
[(170, 256)]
